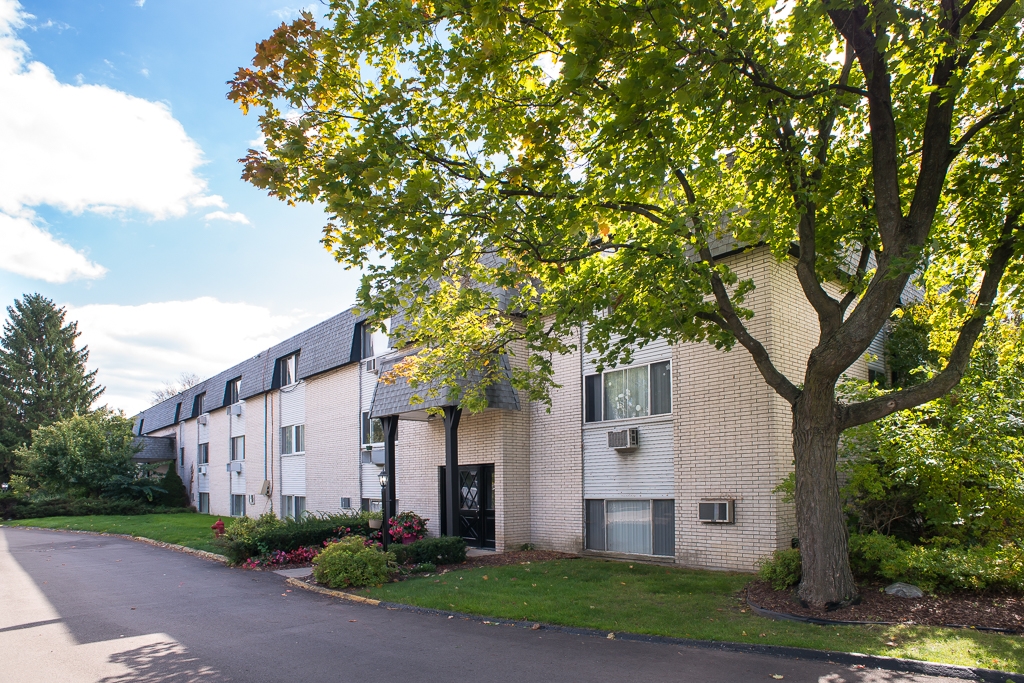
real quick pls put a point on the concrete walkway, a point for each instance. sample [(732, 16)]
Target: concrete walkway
[(83, 609)]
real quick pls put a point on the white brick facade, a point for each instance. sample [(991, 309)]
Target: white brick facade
[(727, 437)]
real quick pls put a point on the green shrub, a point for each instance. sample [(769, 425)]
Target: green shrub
[(781, 569), (351, 563), (249, 537), (175, 495), (938, 568), (443, 550)]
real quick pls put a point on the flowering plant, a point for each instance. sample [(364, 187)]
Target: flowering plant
[(407, 525), (279, 558)]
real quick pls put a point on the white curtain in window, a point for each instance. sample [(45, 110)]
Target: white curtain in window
[(629, 526), (626, 394)]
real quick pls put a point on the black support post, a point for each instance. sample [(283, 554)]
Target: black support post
[(451, 463), (389, 504)]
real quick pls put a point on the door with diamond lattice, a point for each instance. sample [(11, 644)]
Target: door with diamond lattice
[(476, 504)]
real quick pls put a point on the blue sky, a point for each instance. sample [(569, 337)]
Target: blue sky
[(124, 202)]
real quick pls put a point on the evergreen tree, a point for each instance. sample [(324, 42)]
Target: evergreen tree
[(43, 377)]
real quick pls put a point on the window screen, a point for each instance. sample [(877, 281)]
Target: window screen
[(595, 524), (663, 514), (373, 430), (238, 448), (204, 454), (592, 394), (238, 506), (661, 388), (204, 503)]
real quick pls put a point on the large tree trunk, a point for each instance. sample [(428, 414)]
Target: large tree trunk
[(821, 528)]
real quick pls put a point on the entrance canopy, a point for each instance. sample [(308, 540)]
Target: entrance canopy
[(397, 398)]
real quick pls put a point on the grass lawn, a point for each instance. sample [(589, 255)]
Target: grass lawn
[(639, 598), (188, 529)]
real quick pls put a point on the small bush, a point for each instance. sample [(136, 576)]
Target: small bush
[(350, 562), (443, 550), (781, 569), (242, 539), (938, 568), (408, 525)]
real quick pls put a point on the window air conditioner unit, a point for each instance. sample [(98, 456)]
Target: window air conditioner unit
[(235, 409), (370, 364), (236, 466), (203, 419), (202, 469), (716, 511), (624, 440), (265, 488)]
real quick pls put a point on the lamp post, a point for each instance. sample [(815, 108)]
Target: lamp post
[(385, 527)]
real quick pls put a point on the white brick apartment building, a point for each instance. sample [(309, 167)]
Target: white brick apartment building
[(304, 426)]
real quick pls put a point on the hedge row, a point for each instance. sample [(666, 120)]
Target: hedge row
[(16, 507)]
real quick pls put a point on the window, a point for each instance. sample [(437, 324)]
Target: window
[(286, 368), (177, 412), (373, 430), (181, 458), (204, 454), (204, 503), (628, 393), (237, 506), (638, 527), (371, 505), (293, 506), (366, 342), (142, 421), (232, 390), (293, 439), (238, 448), (199, 405)]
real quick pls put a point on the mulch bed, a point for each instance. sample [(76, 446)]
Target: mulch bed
[(989, 609)]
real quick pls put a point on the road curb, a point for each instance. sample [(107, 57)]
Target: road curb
[(142, 539), (843, 658), (291, 581)]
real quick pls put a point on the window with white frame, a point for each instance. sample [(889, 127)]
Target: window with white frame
[(238, 448), (293, 506), (237, 506), (628, 393), (286, 368), (373, 430), (293, 439), (204, 503), (204, 454), (636, 527)]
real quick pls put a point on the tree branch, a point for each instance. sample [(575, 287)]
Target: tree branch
[(869, 411), (978, 126), (729, 320)]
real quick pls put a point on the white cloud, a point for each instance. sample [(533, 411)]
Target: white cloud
[(236, 217), (140, 3), (140, 348), (30, 251), (82, 148)]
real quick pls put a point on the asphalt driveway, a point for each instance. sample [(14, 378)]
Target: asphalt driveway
[(77, 608)]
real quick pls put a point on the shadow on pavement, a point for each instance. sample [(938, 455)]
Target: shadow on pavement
[(162, 663)]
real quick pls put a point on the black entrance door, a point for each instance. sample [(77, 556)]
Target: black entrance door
[(476, 504)]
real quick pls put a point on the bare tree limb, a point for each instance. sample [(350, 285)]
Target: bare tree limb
[(858, 278)]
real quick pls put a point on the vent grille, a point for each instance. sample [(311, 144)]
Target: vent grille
[(624, 440)]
